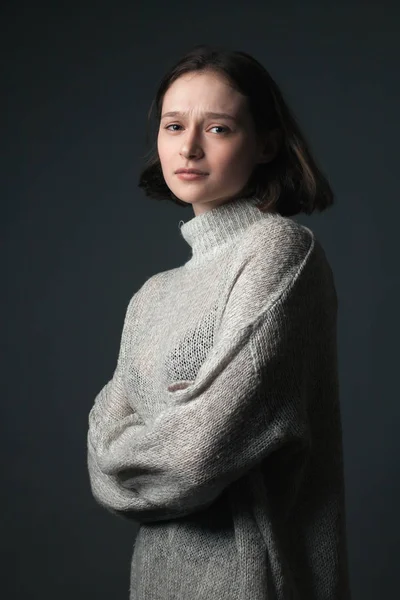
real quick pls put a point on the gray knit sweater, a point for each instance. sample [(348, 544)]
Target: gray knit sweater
[(220, 430)]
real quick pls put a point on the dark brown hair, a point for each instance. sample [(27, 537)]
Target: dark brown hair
[(289, 184)]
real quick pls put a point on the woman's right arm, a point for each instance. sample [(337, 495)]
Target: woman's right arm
[(112, 406)]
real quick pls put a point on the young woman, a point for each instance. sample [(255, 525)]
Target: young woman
[(220, 430)]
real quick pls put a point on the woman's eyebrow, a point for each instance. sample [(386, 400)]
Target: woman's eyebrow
[(213, 115)]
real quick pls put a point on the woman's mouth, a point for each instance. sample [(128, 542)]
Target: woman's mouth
[(191, 176)]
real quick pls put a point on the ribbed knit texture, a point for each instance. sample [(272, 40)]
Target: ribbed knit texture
[(220, 430)]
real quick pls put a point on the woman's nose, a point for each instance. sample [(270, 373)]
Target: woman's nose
[(192, 152), (191, 148)]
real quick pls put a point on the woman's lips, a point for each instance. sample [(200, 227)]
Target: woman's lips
[(191, 176)]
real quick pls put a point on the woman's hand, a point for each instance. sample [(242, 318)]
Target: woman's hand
[(179, 385)]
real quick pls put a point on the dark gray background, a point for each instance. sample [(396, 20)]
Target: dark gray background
[(79, 238)]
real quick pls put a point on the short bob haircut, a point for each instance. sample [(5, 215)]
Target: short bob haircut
[(289, 184)]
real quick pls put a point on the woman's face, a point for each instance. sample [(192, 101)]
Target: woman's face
[(224, 147)]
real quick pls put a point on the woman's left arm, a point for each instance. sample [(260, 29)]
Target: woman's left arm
[(248, 400)]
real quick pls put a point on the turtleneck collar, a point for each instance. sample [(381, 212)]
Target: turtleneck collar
[(208, 232)]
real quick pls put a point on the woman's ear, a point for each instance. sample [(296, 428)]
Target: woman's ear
[(269, 146)]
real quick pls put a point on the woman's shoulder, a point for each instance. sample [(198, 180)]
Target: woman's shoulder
[(277, 231), (277, 242), (153, 284), (277, 251), (153, 287)]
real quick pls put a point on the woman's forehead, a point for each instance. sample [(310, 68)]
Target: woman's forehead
[(202, 92)]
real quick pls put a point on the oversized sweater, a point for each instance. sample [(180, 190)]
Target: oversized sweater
[(219, 432)]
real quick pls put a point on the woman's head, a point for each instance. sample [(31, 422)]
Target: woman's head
[(225, 148), (255, 150)]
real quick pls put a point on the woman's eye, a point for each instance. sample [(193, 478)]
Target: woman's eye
[(173, 125), (225, 129), (220, 127)]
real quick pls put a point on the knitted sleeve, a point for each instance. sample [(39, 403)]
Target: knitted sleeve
[(248, 400), (112, 406)]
